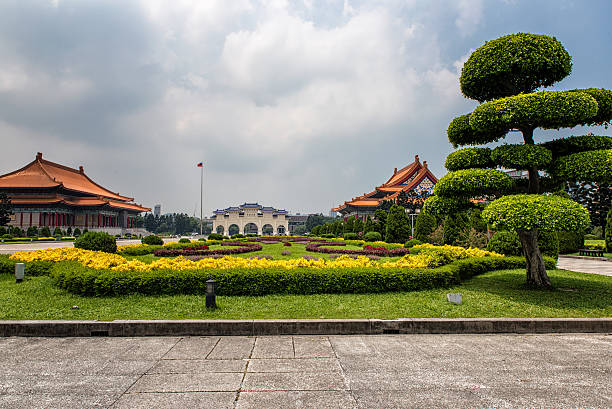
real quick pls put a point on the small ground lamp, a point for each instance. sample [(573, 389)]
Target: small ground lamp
[(19, 272), (210, 294)]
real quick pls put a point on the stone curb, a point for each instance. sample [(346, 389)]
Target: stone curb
[(588, 258), (140, 328)]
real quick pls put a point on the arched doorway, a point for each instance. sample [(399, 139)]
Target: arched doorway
[(281, 230), (251, 228), (220, 230), (233, 229), (267, 230)]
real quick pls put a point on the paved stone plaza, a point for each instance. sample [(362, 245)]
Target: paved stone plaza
[(388, 371)]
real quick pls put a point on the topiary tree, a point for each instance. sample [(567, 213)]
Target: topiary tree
[(503, 75), (398, 225), (425, 225), (454, 227)]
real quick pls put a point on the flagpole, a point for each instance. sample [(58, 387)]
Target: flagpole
[(201, 196)]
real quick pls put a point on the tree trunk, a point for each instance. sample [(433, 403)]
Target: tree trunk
[(536, 270), (534, 176)]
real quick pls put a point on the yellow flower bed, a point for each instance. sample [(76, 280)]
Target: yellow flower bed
[(100, 260), (457, 253)]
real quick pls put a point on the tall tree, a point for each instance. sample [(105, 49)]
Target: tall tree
[(5, 209), (398, 225), (595, 197), (503, 76)]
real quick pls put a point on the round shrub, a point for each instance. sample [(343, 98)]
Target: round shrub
[(505, 242), (215, 236), (152, 240), (238, 236), (473, 182), (460, 133), (514, 64), (546, 109), (594, 166), (604, 105), (455, 226), (372, 236), (412, 242), (76, 233), (468, 158), (350, 236), (521, 156), (96, 241), (184, 240), (548, 242)]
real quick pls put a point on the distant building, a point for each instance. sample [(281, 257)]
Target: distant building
[(250, 218), (296, 220), (45, 193), (413, 177), (157, 210)]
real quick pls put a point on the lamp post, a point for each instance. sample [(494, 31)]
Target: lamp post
[(210, 294), (19, 272)]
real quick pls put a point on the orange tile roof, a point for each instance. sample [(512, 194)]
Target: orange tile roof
[(43, 173), (364, 203), (77, 201)]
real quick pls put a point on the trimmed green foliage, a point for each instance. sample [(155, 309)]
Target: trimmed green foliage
[(514, 64), (184, 240), (608, 234), (96, 241), (425, 225), (33, 268), (215, 236), (439, 207), (528, 212), (548, 110), (153, 240), (521, 156), (412, 242), (548, 242), (505, 242), (398, 225), (350, 236), (473, 182), (604, 105), (77, 279), (575, 144), (594, 166), (460, 133), (469, 158), (372, 236), (570, 241)]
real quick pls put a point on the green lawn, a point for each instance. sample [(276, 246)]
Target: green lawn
[(495, 294)]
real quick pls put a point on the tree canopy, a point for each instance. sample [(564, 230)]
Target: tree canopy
[(505, 75)]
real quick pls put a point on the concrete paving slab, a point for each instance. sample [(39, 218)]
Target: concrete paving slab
[(312, 347), (91, 385), (217, 400), (233, 348), (293, 382), (194, 382), (192, 348), (301, 365), (422, 398), (42, 401), (296, 399), (167, 366), (273, 347), (582, 265)]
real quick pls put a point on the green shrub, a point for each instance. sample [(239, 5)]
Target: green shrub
[(350, 236), (454, 227), (78, 279), (505, 242), (201, 239), (57, 232), (425, 225), (32, 231), (97, 241), (215, 236), (372, 236), (77, 232), (521, 156), (473, 182), (328, 235), (397, 226), (570, 241), (184, 240), (608, 234), (412, 242), (152, 240), (140, 250), (548, 243), (468, 158), (238, 236), (32, 268)]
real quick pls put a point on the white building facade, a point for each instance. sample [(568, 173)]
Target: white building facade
[(250, 218)]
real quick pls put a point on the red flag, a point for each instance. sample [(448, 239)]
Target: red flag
[(200, 165)]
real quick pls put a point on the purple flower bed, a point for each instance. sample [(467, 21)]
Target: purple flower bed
[(239, 248), (367, 251)]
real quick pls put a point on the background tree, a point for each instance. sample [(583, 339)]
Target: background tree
[(358, 226), (381, 221), (398, 225), (503, 76), (425, 225), (317, 220), (595, 197), (368, 226), (609, 233), (5, 209)]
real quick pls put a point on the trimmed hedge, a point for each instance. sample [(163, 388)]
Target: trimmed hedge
[(604, 105), (521, 156), (240, 247), (514, 64), (81, 280), (473, 182), (468, 158), (508, 243), (33, 268), (372, 236), (152, 240), (367, 250), (460, 133), (575, 144), (97, 241), (570, 241), (595, 166)]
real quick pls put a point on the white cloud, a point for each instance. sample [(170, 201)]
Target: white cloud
[(470, 15)]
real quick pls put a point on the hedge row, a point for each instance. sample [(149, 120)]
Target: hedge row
[(34, 268), (240, 247), (78, 279), (367, 250)]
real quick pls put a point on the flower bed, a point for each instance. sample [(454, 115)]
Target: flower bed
[(368, 250), (241, 247)]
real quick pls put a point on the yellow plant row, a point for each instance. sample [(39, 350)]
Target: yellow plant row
[(100, 260)]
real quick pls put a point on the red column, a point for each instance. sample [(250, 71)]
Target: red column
[(86, 217), (21, 220), (30, 219)]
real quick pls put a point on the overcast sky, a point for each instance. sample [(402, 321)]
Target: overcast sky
[(299, 105)]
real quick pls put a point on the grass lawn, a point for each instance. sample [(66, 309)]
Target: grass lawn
[(495, 294)]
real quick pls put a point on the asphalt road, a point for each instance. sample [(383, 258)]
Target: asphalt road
[(387, 371)]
